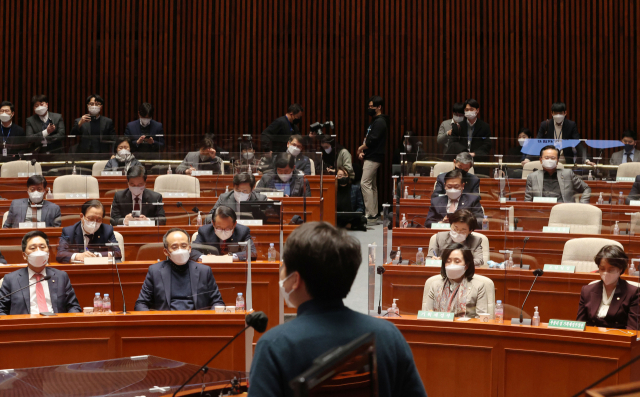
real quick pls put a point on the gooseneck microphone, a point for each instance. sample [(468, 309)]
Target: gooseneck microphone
[(179, 205), (524, 243), (256, 320), (380, 270), (26, 286), (537, 273)]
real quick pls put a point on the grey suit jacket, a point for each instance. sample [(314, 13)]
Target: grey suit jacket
[(616, 158), (192, 159), (63, 297), (34, 129), (50, 213), (570, 185), (443, 139), (473, 243), (229, 200)]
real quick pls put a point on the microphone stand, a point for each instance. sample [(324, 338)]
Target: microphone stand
[(124, 302), (179, 205), (524, 244), (380, 270), (26, 286)]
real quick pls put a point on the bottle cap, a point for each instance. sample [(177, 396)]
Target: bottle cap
[(271, 244), (498, 301), (106, 295), (420, 249), (97, 293), (239, 293), (536, 309)]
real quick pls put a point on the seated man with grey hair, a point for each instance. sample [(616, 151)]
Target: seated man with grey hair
[(191, 285), (462, 162)]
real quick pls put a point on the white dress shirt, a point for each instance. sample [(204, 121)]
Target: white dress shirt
[(33, 298), (29, 213), (605, 302)]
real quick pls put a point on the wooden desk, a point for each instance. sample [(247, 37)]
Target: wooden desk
[(479, 359), (191, 337)]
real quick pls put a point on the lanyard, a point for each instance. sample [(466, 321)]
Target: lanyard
[(4, 139), (452, 296)]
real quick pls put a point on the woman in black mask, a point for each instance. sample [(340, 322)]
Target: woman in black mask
[(335, 156), (349, 201)]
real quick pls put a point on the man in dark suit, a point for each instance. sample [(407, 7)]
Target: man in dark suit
[(559, 128), (146, 134), (45, 130), (137, 198), (472, 135), (243, 185), (56, 295), (178, 283), (97, 133), (203, 160), (274, 137), (89, 237), (286, 178), (455, 200), (34, 208), (224, 233), (13, 136), (634, 194), (462, 162)]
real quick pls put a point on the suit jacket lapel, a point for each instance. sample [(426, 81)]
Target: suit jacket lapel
[(596, 298), (166, 281), (78, 237), (44, 211), (23, 210), (541, 181), (53, 290), (194, 275), (23, 281), (562, 187), (616, 302)]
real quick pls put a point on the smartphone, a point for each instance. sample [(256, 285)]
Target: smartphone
[(47, 314), (135, 214)]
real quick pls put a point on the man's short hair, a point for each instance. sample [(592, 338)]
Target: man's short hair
[(36, 180), (464, 216), (136, 172), (97, 97), (464, 158), (558, 107), (244, 177), (626, 134), (548, 147), (285, 160), (295, 109), (327, 259), (453, 174), (325, 138), (377, 101), (145, 109), (174, 229), (92, 204), (7, 103), (208, 142), (33, 233), (225, 213), (473, 103), (458, 107), (614, 255), (38, 98), (297, 138)]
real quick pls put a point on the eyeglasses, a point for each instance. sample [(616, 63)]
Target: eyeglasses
[(223, 230), (95, 104), (7, 111), (97, 220)]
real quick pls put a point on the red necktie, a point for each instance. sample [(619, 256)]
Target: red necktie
[(452, 206), (34, 214), (42, 301), (136, 204)]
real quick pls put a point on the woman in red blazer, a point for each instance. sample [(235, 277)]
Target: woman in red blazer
[(612, 302)]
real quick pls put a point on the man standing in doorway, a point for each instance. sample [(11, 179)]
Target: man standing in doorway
[(372, 152)]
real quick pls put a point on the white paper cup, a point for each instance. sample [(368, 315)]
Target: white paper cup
[(230, 309), (484, 317), (219, 309), (87, 310)]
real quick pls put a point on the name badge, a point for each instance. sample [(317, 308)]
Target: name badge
[(564, 324), (24, 174), (217, 259), (75, 196), (148, 222), (111, 173), (250, 222), (32, 225), (635, 202), (559, 269), (554, 229), (433, 262), (438, 316), (441, 226), (273, 194), (545, 200), (174, 194), (4, 152), (625, 179), (200, 173), (98, 260)]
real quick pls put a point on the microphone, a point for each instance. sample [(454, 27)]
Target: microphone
[(524, 243), (256, 320), (419, 224), (26, 286), (124, 302), (380, 270), (520, 321), (179, 205), (415, 182)]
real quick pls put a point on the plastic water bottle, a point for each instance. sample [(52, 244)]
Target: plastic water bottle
[(432, 173), (396, 261), (404, 223), (485, 223), (495, 174), (74, 170), (199, 219), (97, 303), (271, 253), (499, 312), (620, 199), (420, 257), (510, 262), (616, 228), (49, 194), (406, 193), (227, 189), (106, 304), (169, 171), (506, 223), (535, 322), (240, 302), (590, 177), (600, 200)]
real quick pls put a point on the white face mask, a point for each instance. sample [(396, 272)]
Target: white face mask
[(294, 151), (41, 110), (558, 118), (144, 121), (454, 193), (223, 235), (136, 190), (123, 153), (5, 117), (248, 156), (610, 277), (284, 293), (457, 237), (470, 115), (521, 141), (239, 196), (180, 256), (454, 272), (284, 177), (549, 164), (38, 258), (94, 110), (329, 150), (36, 197), (90, 227), (458, 119)]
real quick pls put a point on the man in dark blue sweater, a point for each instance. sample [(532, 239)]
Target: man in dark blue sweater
[(320, 263)]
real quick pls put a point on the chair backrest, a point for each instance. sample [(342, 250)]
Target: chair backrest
[(98, 167), (580, 218), (4, 217), (634, 283), (65, 184), (120, 243), (427, 287), (485, 246), (528, 168), (313, 167), (151, 252), (490, 292), (12, 168), (446, 166), (176, 183), (634, 223), (629, 170), (12, 253), (580, 252), (193, 237)]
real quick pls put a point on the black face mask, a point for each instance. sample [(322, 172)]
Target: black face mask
[(343, 181), (464, 173), (296, 121), (371, 112)]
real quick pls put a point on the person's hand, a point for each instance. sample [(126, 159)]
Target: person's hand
[(436, 258), (449, 132), (189, 171), (525, 161), (589, 162), (472, 154), (313, 133), (361, 149), (113, 156), (51, 128), (141, 139), (212, 153), (329, 170), (150, 140), (85, 118), (445, 219), (361, 156), (84, 255)]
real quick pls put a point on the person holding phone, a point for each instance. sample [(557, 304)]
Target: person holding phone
[(137, 202), (96, 132), (146, 134), (45, 129)]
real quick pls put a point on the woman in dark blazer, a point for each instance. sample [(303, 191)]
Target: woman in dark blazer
[(612, 302)]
